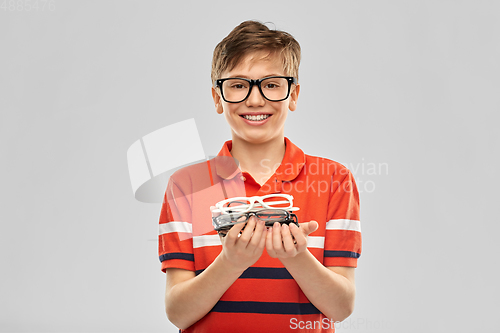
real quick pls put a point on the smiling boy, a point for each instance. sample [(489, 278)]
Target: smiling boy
[(264, 279)]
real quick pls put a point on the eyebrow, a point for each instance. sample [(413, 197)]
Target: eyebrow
[(247, 77)]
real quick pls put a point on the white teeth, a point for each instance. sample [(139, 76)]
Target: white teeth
[(256, 118)]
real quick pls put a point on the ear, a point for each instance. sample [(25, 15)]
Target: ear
[(294, 96), (217, 101)]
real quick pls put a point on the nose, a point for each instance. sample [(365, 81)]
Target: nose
[(255, 98)]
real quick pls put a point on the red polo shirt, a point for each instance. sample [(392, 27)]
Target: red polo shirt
[(265, 298)]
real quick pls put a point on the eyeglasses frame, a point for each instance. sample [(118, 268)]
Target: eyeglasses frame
[(290, 79), (290, 218), (256, 202)]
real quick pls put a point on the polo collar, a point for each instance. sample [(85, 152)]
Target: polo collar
[(227, 167)]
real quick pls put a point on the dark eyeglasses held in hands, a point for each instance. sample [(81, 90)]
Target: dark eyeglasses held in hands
[(223, 223)]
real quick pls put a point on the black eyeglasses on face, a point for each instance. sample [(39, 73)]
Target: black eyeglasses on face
[(272, 88)]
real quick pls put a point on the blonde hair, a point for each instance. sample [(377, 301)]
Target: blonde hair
[(254, 36)]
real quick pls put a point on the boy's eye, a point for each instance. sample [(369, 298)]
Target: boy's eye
[(237, 86), (271, 86)]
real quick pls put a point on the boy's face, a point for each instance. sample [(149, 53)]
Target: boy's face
[(256, 66)]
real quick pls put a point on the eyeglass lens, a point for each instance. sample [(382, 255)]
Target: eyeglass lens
[(236, 90), (272, 202), (265, 215)]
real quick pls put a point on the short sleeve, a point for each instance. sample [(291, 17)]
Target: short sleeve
[(343, 230), (175, 239)]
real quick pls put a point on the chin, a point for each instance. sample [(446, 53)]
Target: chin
[(259, 139)]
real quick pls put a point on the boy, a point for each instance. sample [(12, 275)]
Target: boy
[(258, 279)]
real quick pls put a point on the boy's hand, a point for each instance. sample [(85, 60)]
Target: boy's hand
[(242, 251), (279, 241)]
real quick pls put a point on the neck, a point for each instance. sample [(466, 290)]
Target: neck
[(259, 159)]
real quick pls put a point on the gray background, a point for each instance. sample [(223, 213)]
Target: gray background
[(409, 86)]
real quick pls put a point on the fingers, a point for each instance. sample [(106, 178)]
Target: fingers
[(246, 235), (288, 244), (263, 238), (300, 239), (308, 227), (281, 243), (269, 243), (286, 240), (280, 240), (277, 243), (232, 235), (258, 234), (253, 235), (242, 248), (313, 226)]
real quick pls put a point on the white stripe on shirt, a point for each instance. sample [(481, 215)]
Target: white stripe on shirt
[(174, 226), (206, 240), (316, 241), (353, 225)]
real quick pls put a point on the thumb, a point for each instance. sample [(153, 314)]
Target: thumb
[(309, 227)]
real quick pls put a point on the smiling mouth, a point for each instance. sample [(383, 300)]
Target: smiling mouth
[(256, 118)]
